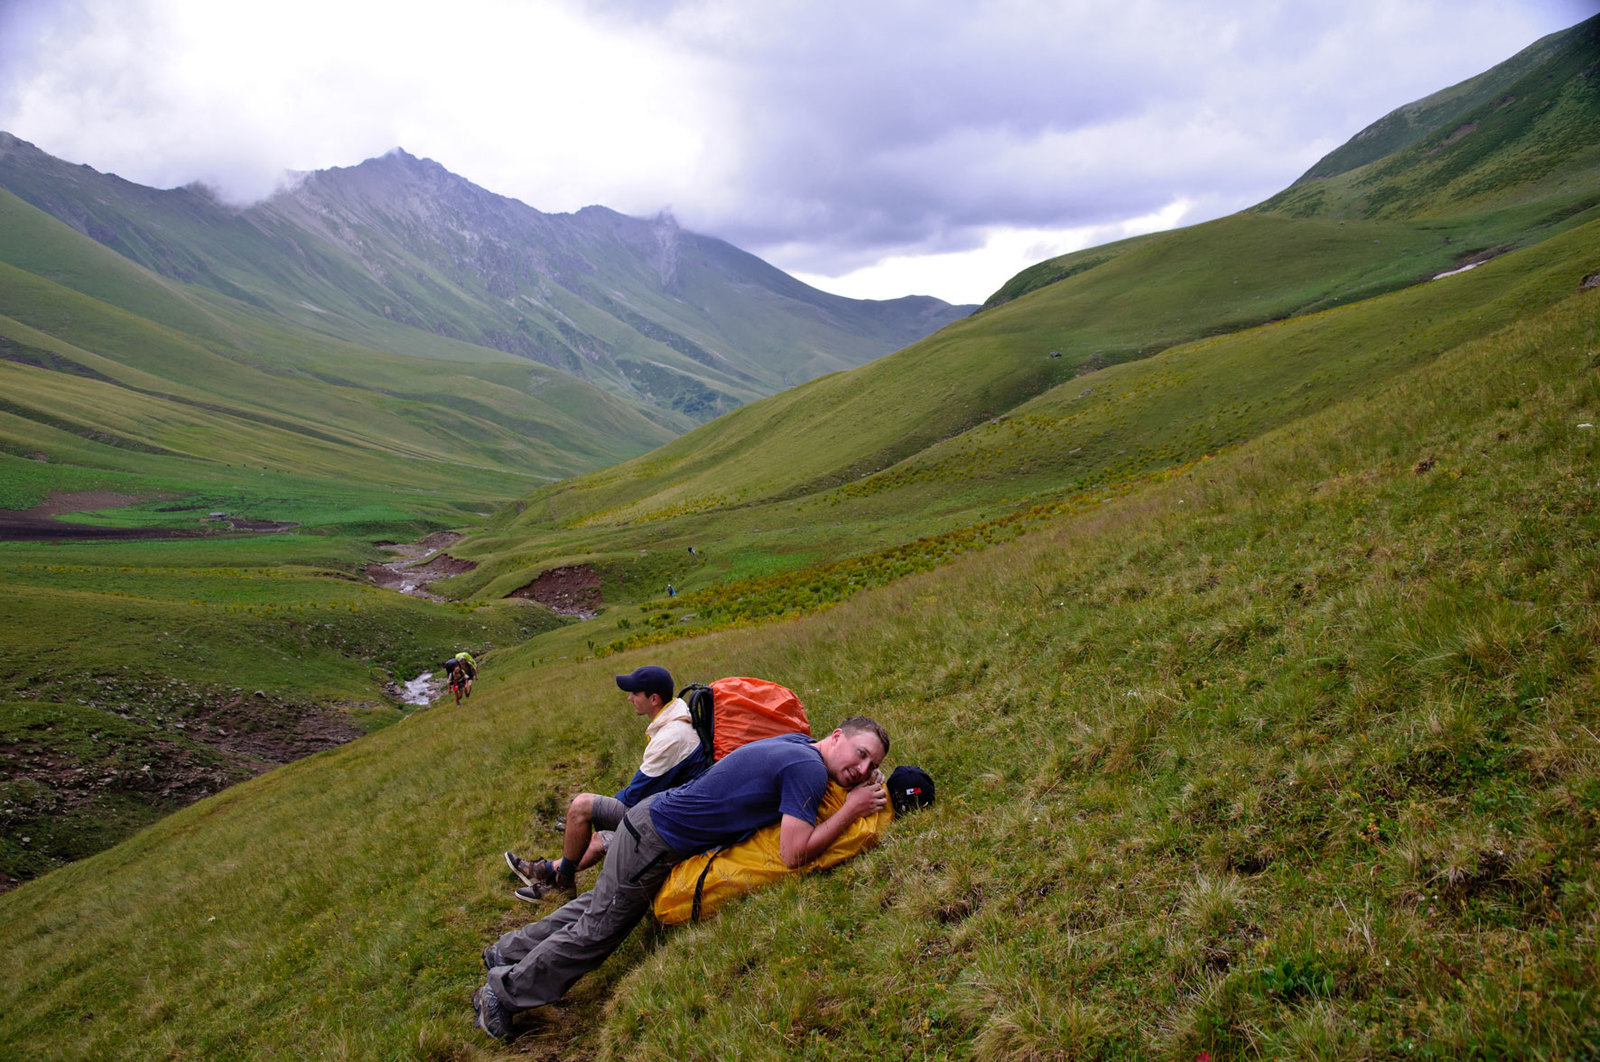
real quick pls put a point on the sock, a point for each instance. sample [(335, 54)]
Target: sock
[(566, 869)]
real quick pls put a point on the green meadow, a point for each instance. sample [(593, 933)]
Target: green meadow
[(1237, 585), (1290, 753)]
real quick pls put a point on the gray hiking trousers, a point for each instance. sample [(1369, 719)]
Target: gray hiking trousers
[(547, 956)]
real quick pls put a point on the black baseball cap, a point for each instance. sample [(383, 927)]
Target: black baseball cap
[(648, 679), (909, 788)]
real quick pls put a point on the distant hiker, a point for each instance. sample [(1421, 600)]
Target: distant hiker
[(693, 551), (672, 591), (459, 671), (672, 756), (778, 779)]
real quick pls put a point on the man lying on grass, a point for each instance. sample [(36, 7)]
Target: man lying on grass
[(776, 780)]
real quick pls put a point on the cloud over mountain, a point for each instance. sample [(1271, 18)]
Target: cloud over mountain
[(825, 135)]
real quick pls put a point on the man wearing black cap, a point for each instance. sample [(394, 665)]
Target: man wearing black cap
[(672, 757)]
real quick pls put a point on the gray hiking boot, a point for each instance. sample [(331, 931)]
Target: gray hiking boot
[(493, 1017), (492, 957)]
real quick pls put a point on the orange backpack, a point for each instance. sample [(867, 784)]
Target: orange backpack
[(736, 711)]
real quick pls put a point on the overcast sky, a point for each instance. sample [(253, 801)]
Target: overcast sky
[(875, 148)]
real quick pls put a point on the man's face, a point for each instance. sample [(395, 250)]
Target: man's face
[(852, 757), (646, 704)]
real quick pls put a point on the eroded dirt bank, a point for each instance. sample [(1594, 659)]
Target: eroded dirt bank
[(570, 591)]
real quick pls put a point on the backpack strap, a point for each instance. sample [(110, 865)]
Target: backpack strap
[(701, 702), (700, 885)]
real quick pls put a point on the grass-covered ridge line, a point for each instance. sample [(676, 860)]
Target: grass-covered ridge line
[(1522, 133), (774, 537), (1291, 754)]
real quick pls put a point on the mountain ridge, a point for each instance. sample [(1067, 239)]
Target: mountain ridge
[(1405, 125), (682, 323)]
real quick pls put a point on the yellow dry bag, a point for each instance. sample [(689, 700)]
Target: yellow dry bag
[(698, 885)]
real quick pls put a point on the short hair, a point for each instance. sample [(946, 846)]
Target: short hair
[(860, 724)]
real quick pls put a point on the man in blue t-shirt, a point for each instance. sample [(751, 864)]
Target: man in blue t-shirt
[(780, 779)]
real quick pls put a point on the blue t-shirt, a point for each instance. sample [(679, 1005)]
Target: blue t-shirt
[(753, 786)]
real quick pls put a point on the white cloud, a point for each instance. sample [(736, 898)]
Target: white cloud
[(1004, 252)]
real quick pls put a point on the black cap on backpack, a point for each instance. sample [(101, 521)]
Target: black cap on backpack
[(909, 788)]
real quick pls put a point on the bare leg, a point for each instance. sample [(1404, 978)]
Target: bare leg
[(580, 830)]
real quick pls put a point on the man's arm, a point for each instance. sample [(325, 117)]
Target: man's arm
[(799, 842)]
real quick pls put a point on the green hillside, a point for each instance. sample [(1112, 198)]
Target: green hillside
[(1403, 127), (1499, 161), (854, 470), (969, 431), (1527, 131), (1287, 754)]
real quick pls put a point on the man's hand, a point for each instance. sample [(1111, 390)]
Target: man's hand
[(865, 799)]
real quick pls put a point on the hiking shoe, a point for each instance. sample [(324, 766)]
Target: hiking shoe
[(492, 957), (561, 888), (531, 872), (493, 1017)]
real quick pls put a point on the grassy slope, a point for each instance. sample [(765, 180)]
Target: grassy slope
[(1290, 754), (95, 344), (778, 485), (1403, 127), (869, 464), (1534, 139)]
